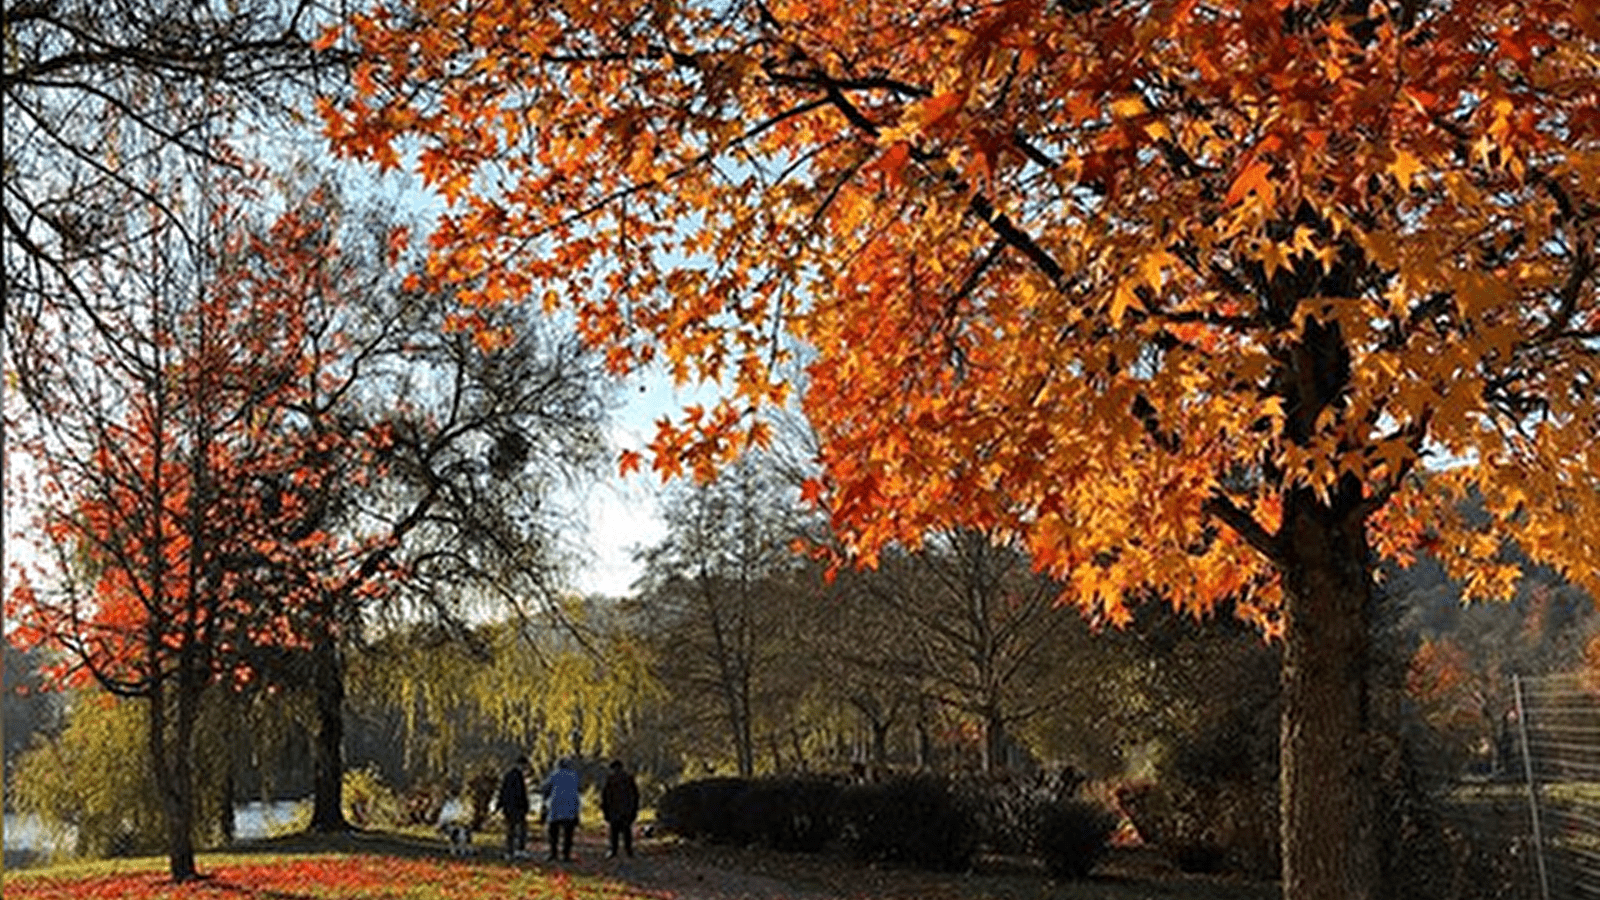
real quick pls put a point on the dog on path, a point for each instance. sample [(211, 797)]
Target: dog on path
[(459, 836)]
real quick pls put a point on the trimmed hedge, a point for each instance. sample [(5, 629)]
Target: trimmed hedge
[(916, 819), (923, 820), (1009, 805), (701, 809), (792, 814)]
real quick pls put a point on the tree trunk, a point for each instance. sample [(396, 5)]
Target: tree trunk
[(994, 740), (226, 822), (1328, 787), (327, 806), (174, 778), (880, 745), (744, 733)]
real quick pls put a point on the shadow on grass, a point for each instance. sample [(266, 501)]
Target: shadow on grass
[(375, 843)]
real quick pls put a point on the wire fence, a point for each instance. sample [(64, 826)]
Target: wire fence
[(1522, 816), (1558, 730)]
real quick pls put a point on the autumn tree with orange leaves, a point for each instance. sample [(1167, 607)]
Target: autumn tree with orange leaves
[(1185, 295), (152, 436)]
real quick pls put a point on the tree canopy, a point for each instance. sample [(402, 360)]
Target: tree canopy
[(1054, 259)]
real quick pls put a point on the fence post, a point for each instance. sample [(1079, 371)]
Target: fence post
[(1533, 788)]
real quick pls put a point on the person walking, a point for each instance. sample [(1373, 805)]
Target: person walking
[(513, 803), (561, 803), (619, 803)]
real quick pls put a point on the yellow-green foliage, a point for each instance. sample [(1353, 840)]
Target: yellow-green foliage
[(368, 802), (96, 778), (526, 685)]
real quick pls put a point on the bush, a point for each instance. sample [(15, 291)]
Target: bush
[(697, 809), (1228, 827), (784, 813), (1214, 806), (1446, 840), (791, 814), (368, 802), (1073, 836), (915, 819), (479, 794), (424, 803), (1008, 805)]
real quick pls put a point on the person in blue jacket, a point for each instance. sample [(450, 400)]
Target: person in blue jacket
[(561, 802)]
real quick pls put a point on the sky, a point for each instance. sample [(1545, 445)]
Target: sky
[(621, 511)]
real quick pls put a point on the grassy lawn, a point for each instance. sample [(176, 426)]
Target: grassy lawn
[(386, 866)]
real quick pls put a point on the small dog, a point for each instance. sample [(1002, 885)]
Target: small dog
[(459, 836)]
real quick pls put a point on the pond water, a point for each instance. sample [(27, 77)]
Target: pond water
[(27, 838), (26, 834)]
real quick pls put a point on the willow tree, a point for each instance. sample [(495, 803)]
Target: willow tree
[(564, 682), (1184, 294)]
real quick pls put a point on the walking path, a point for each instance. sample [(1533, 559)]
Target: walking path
[(669, 869)]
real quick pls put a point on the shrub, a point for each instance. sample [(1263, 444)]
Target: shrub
[(1072, 836), (424, 803), (916, 819), (1008, 805), (1439, 840), (702, 808), (793, 814), (368, 802), (480, 792), (1227, 827), (1214, 806)]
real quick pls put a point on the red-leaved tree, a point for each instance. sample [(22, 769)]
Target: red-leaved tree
[(154, 432)]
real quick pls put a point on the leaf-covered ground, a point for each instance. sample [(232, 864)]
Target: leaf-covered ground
[(378, 866)]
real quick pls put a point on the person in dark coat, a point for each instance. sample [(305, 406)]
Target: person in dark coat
[(513, 803), (619, 803)]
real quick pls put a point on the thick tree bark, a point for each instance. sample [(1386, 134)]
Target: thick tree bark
[(1328, 799), (327, 805)]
